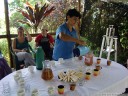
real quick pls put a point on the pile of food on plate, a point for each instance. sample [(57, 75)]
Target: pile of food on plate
[(70, 76)]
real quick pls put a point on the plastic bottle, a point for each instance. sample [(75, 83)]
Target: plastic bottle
[(39, 58), (81, 51)]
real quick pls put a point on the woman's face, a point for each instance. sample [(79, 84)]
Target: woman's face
[(20, 31), (72, 20), (44, 32)]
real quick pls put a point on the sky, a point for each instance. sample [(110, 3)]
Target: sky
[(2, 7)]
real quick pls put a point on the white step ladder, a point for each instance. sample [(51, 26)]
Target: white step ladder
[(109, 42)]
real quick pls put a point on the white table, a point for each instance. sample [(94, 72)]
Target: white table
[(112, 80)]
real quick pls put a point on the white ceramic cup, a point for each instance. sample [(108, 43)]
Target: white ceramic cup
[(21, 92), (31, 69)]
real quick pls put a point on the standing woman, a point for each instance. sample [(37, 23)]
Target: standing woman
[(66, 36), (21, 47)]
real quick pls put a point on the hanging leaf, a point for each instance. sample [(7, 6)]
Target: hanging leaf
[(29, 5), (24, 22), (36, 11), (49, 11), (42, 11)]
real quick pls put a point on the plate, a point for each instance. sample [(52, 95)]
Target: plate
[(70, 76)]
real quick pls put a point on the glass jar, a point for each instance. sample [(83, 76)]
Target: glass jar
[(47, 73), (89, 59)]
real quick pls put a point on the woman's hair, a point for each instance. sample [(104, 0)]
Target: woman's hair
[(73, 12), (20, 27), (44, 29)]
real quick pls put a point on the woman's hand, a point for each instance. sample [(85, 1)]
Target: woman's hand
[(51, 45), (28, 36), (24, 50), (81, 42)]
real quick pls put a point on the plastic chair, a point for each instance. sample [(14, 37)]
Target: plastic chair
[(20, 64)]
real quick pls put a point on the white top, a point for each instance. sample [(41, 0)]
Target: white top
[(111, 81)]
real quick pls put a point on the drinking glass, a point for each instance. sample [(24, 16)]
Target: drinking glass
[(81, 82), (6, 89), (31, 69)]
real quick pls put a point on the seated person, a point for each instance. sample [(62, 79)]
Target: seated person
[(20, 47), (47, 42)]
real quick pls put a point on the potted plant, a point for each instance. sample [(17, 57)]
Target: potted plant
[(35, 15)]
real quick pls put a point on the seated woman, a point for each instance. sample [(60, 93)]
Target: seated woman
[(21, 47), (47, 42)]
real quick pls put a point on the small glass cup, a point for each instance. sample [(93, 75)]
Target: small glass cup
[(21, 92), (61, 60), (51, 90), (80, 57), (73, 59), (76, 58), (81, 81), (19, 73), (6, 88), (22, 84), (52, 62), (98, 67), (108, 62), (98, 60), (61, 89), (72, 86), (20, 80), (88, 76), (31, 69), (95, 72), (16, 77), (35, 92)]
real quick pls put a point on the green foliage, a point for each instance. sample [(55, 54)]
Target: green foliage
[(96, 19), (4, 49)]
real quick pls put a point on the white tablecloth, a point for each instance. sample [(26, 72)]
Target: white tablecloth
[(112, 80)]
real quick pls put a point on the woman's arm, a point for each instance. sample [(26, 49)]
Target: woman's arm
[(29, 38), (65, 37)]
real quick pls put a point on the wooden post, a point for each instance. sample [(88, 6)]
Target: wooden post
[(79, 1), (7, 29)]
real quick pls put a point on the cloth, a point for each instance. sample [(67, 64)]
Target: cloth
[(64, 49), (111, 81), (4, 68), (28, 60), (45, 43)]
